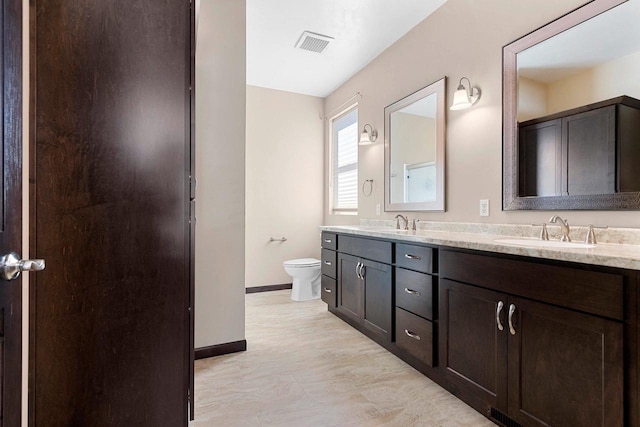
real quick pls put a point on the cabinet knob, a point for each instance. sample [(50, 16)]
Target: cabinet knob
[(498, 311), (411, 291), (412, 335), (512, 309)]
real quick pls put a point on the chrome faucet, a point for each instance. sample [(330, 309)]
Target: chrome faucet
[(404, 218), (564, 227)]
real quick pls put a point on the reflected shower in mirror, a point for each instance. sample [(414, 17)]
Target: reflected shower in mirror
[(414, 151)]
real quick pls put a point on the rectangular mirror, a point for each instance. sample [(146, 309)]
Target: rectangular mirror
[(571, 119), (414, 138)]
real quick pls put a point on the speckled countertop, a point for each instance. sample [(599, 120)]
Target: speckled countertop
[(485, 237)]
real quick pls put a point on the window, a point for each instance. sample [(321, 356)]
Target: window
[(344, 143)]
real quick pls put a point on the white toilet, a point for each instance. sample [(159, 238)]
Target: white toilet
[(306, 278)]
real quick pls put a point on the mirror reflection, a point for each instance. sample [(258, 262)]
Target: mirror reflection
[(414, 154), (572, 111)]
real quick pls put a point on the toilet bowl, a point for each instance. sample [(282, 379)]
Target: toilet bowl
[(306, 278)]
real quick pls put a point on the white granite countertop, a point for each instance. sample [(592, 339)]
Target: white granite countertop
[(487, 239)]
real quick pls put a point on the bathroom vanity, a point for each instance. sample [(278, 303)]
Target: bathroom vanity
[(526, 335)]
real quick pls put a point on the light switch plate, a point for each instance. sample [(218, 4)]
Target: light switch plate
[(484, 207)]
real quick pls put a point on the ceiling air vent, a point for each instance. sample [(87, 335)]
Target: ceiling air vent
[(313, 42)]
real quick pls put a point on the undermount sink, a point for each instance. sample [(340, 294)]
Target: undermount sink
[(550, 244)]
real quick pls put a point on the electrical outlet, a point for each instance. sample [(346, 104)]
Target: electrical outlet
[(378, 209), (484, 207)]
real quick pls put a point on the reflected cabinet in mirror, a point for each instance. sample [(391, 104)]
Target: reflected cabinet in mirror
[(414, 138), (571, 118)]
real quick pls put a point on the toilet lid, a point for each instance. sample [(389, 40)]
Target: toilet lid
[(302, 262)]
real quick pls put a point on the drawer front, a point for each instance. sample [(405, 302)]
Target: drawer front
[(415, 292), (328, 290), (583, 290), (329, 241), (375, 250), (328, 266), (419, 258), (415, 335)]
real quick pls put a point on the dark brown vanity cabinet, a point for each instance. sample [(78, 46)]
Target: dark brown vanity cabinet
[(585, 151), (532, 361), (357, 281), (415, 291), (328, 264), (365, 293)]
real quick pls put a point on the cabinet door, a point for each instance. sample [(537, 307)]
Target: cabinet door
[(378, 296), (540, 171), (473, 350), (565, 367), (350, 287), (591, 151)]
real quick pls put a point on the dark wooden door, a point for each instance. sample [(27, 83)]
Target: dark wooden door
[(11, 213), (350, 287), (473, 349), (110, 208), (378, 297), (541, 169), (565, 368)]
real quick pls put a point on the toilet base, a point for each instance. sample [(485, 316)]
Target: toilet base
[(302, 290)]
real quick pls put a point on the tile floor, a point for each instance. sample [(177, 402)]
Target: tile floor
[(304, 367)]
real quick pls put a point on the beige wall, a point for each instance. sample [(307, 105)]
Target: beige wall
[(284, 173), (609, 80), (532, 99), (474, 137), (220, 152)]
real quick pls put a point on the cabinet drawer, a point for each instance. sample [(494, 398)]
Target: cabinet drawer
[(419, 258), (328, 290), (415, 292), (329, 241), (583, 290), (375, 250), (414, 335), (328, 266)]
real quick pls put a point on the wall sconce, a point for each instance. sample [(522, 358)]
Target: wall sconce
[(463, 98), (368, 137)]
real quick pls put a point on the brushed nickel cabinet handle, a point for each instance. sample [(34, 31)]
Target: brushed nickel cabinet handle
[(327, 240), (363, 271), (327, 290), (358, 265), (411, 291), (498, 311), (327, 262), (409, 256), (512, 309), (412, 335)]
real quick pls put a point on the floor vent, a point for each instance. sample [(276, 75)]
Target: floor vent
[(503, 419), (313, 42)]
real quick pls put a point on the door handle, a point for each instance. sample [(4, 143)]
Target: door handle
[(409, 256), (363, 271), (512, 309), (11, 266), (358, 270), (327, 262), (498, 311), (411, 291), (412, 335)]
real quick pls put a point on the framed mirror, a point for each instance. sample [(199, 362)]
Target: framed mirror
[(414, 151), (571, 116)]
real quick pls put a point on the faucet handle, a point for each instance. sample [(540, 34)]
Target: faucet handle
[(544, 234), (591, 235)]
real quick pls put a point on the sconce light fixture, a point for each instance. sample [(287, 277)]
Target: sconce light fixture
[(463, 98), (368, 137)]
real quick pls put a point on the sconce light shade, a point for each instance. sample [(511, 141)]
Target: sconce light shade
[(368, 137), (463, 98)]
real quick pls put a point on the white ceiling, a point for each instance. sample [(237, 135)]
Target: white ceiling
[(361, 29)]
